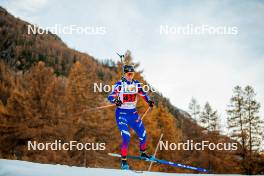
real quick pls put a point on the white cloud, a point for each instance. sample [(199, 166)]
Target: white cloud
[(28, 6), (25, 9)]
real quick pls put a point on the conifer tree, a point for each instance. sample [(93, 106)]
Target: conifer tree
[(209, 118), (194, 109), (236, 119), (245, 125), (254, 125)]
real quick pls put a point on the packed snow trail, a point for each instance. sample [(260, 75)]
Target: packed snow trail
[(25, 168)]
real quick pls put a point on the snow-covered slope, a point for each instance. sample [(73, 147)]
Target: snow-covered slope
[(24, 168)]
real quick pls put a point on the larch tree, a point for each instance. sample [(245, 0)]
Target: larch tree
[(209, 118), (33, 109), (236, 119), (80, 100), (245, 125), (254, 125), (194, 109)]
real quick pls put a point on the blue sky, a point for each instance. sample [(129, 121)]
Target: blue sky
[(206, 67)]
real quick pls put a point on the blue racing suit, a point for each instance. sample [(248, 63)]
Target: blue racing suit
[(126, 114)]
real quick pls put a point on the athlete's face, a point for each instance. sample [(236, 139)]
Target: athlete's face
[(129, 76)]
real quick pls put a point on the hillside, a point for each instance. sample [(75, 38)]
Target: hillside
[(45, 88)]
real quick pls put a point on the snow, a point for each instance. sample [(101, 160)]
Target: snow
[(25, 168)]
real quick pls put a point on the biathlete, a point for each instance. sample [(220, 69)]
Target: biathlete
[(124, 96)]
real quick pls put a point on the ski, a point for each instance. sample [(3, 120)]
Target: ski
[(159, 161)]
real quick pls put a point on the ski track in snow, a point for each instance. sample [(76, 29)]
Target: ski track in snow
[(25, 168)]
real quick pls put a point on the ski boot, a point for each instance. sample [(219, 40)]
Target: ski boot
[(124, 165), (144, 155)]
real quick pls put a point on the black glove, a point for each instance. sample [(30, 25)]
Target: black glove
[(150, 103), (118, 102)]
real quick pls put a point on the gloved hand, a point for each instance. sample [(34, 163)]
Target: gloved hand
[(150, 103), (118, 102)]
